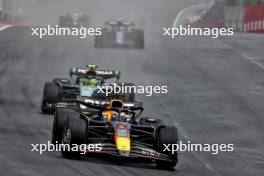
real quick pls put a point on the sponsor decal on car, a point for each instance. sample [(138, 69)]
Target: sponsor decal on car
[(150, 152), (104, 72)]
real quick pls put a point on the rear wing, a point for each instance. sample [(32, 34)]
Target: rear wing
[(119, 23), (104, 74)]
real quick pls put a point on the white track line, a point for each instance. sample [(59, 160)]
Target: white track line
[(5, 27), (245, 56), (252, 60), (182, 132), (205, 163)]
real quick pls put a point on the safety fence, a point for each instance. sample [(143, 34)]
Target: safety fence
[(23, 11), (253, 20), (242, 16)]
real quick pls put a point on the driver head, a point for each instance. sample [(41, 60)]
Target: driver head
[(92, 67), (90, 82)]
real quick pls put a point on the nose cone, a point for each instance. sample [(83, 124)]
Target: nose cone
[(123, 145)]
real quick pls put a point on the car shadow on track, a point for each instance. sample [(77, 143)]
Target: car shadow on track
[(121, 162)]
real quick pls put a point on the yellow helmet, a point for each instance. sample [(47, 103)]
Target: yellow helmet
[(91, 66)]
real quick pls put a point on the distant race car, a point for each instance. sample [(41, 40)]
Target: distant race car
[(118, 128), (82, 82), (74, 20), (120, 34)]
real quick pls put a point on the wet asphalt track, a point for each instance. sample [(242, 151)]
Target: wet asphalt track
[(216, 95)]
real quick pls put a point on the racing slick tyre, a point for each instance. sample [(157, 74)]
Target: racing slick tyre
[(74, 134), (84, 21), (65, 21), (148, 121), (138, 37), (141, 40), (50, 95), (102, 41), (60, 118), (167, 135), (130, 96)]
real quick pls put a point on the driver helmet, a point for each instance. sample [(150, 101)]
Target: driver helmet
[(125, 116), (109, 116), (90, 82), (92, 67)]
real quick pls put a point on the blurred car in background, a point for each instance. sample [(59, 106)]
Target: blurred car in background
[(83, 82), (120, 34), (74, 20)]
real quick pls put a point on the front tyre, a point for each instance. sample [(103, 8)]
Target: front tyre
[(60, 118), (167, 135), (74, 134), (50, 97)]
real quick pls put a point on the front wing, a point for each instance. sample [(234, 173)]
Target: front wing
[(135, 152)]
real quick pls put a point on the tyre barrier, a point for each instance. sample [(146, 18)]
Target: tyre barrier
[(254, 19), (242, 18), (6, 22), (7, 19)]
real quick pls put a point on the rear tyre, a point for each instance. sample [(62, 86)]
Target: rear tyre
[(138, 37), (65, 21), (74, 133), (50, 96), (84, 21), (101, 41), (130, 96), (167, 135), (60, 118), (140, 40)]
